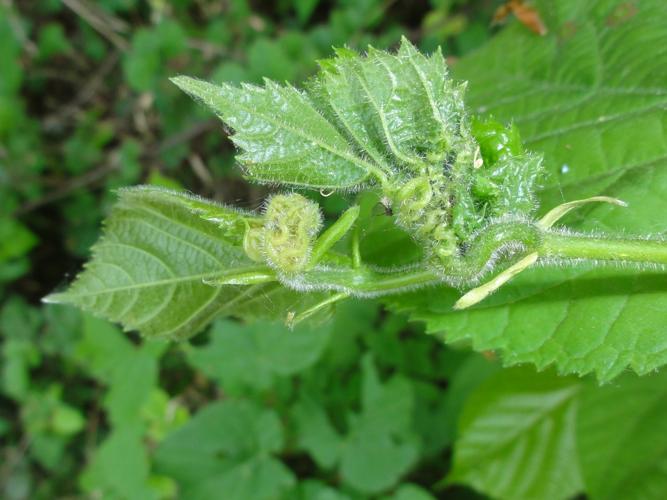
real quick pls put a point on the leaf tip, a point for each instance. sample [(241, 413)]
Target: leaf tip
[(56, 298), (181, 81)]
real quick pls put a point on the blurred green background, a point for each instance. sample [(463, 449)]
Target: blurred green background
[(362, 408)]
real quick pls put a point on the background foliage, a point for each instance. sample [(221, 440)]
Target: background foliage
[(367, 406)]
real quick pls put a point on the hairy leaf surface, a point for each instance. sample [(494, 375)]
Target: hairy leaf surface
[(148, 270), (283, 138), (592, 96)]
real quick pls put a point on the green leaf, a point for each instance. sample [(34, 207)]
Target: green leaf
[(517, 437), (410, 492), (380, 447), (591, 95), (19, 324), (52, 40), (67, 420), (621, 432), (400, 107), (149, 52), (147, 271), (15, 239), (120, 467), (227, 447), (316, 434), (101, 348), (283, 137), (242, 356), (317, 490), (129, 371), (472, 372), (304, 9)]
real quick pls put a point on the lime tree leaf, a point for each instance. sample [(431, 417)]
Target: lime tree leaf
[(621, 438), (227, 447), (147, 270), (399, 108), (517, 437), (592, 97), (283, 138), (242, 356)]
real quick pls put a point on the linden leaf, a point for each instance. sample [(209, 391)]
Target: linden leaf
[(400, 108), (517, 437), (620, 437), (149, 268), (283, 138)]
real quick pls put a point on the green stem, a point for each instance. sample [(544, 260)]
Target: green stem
[(293, 319), (567, 246), (362, 281), (356, 252)]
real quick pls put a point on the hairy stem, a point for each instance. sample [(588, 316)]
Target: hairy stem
[(590, 247)]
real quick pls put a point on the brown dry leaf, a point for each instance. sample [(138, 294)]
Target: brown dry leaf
[(526, 14)]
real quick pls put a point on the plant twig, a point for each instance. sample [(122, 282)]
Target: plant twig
[(87, 92), (87, 179), (105, 24)]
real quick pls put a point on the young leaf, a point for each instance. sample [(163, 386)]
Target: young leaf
[(148, 270), (283, 138), (398, 108)]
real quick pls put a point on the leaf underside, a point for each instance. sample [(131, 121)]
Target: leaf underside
[(147, 271)]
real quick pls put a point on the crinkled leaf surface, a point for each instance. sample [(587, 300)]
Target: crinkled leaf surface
[(147, 271), (283, 138), (592, 96), (395, 108), (621, 431), (517, 437)]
